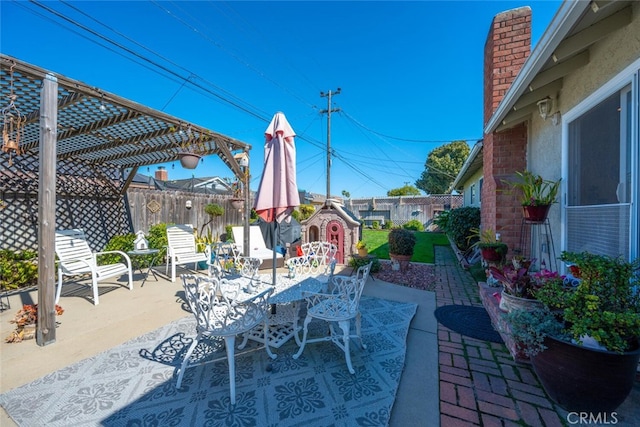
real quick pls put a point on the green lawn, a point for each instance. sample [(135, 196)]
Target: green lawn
[(378, 245)]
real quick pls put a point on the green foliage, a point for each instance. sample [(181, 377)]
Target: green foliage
[(401, 242), (157, 237), (346, 194), (228, 229), (356, 263), (375, 225), (388, 225), (442, 166), (460, 223), (529, 328), (18, 269), (414, 225), (603, 306), (442, 219), (377, 242), (534, 190), (407, 190), (305, 211), (119, 242)]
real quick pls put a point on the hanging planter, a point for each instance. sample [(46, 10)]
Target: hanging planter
[(237, 203), (189, 160)]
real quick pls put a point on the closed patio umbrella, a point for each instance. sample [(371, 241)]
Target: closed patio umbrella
[(277, 193)]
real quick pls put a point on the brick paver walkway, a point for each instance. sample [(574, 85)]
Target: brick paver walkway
[(480, 384)]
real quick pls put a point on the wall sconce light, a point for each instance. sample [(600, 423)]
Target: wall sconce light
[(242, 159), (544, 107), (187, 204)]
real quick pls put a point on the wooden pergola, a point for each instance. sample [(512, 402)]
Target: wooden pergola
[(70, 122)]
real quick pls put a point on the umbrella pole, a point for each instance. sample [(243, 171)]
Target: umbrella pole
[(273, 266)]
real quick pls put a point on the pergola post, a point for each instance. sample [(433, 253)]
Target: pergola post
[(46, 330)]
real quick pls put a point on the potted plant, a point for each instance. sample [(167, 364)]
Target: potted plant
[(536, 194), (401, 245), (237, 200), (491, 248), (362, 248), (584, 345), (518, 285), (191, 147)]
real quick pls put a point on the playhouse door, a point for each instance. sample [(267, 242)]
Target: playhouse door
[(335, 235)]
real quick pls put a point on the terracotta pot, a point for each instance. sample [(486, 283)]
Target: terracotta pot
[(402, 260), (580, 379), (508, 302), (536, 213), (189, 160), (363, 252)]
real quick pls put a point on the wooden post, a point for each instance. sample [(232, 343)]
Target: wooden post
[(46, 330)]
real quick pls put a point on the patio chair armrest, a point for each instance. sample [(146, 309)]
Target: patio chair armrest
[(124, 255)]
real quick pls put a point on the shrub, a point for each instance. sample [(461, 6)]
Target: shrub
[(18, 269), (414, 225), (157, 237), (441, 219), (388, 225), (461, 221), (375, 225), (401, 242), (356, 263), (119, 242)]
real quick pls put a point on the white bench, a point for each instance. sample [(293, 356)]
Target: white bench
[(181, 248), (258, 248)]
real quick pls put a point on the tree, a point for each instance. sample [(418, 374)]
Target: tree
[(407, 190), (442, 166)]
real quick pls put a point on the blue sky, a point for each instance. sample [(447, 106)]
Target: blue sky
[(410, 73)]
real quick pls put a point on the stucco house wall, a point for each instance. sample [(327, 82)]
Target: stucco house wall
[(607, 58)]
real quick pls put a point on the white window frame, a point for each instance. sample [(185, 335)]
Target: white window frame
[(629, 76)]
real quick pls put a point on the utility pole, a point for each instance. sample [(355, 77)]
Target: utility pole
[(329, 110)]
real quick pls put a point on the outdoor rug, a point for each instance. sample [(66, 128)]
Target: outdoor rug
[(134, 384), (468, 320)]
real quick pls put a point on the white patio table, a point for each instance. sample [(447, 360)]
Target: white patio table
[(286, 300)]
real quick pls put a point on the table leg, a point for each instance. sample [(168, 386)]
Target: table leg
[(149, 270)]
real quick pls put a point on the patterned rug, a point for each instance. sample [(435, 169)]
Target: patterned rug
[(134, 384)]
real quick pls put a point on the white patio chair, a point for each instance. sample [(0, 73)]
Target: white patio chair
[(181, 248), (317, 258), (222, 254), (222, 314), (75, 257), (339, 304), (248, 266)]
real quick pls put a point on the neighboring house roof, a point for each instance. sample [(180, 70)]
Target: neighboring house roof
[(563, 47), (472, 165), (208, 185)]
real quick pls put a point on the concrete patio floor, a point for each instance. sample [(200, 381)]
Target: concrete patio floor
[(449, 380)]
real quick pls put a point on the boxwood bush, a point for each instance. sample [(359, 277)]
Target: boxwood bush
[(459, 224)]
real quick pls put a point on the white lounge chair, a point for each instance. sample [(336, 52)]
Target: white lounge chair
[(258, 247), (75, 257), (181, 248)]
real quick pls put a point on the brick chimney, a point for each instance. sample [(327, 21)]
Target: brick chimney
[(507, 47), (162, 174)]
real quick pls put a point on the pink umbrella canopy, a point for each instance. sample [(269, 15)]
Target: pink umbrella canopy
[(277, 194)]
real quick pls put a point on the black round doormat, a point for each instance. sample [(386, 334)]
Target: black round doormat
[(468, 320)]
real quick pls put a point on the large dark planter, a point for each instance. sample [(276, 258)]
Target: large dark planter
[(536, 213), (580, 379)]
